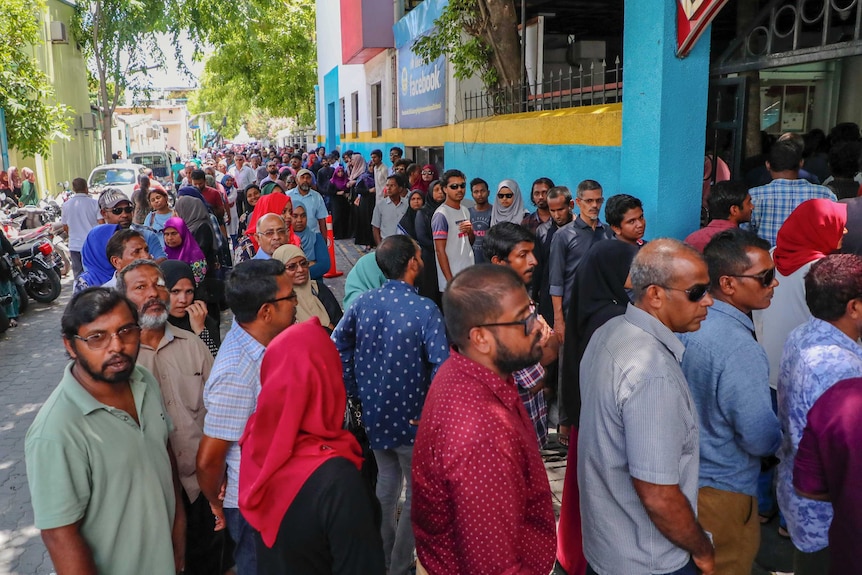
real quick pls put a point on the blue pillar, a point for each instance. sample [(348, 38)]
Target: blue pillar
[(4, 143), (664, 118)]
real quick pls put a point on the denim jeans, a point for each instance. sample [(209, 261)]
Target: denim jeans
[(243, 534), (393, 467), (688, 569)]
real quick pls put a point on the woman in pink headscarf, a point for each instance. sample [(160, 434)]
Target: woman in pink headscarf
[(428, 175)]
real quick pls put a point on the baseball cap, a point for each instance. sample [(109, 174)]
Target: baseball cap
[(111, 197), (302, 172)]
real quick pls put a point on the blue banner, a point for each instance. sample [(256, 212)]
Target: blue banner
[(421, 90)]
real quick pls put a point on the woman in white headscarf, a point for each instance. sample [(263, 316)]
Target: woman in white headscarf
[(509, 205)]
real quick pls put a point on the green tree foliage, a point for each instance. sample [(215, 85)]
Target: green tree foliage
[(33, 119), (264, 61)]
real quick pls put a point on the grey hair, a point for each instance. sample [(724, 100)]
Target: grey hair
[(121, 275), (654, 264)]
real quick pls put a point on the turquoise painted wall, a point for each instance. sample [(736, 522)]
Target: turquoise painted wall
[(330, 96)]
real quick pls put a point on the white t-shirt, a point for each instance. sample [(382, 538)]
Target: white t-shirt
[(444, 225), (242, 177), (81, 213)]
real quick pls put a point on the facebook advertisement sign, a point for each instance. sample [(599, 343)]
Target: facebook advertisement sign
[(421, 90)]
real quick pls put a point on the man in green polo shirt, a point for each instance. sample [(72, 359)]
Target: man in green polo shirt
[(101, 474)]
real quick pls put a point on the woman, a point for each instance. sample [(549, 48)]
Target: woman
[(340, 204), (311, 242), (8, 290), (195, 215), (300, 485), (97, 268), (15, 182), (365, 198), (426, 177), (312, 298), (29, 195), (407, 225), (427, 281), (252, 195), (181, 246), (276, 203), (140, 200), (158, 201), (509, 206), (231, 196), (364, 276), (186, 313)]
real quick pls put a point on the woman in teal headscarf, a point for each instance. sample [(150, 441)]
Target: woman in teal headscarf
[(364, 276)]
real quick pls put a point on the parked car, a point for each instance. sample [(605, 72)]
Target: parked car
[(161, 163), (121, 176)]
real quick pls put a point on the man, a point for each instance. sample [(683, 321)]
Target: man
[(638, 440), (569, 245), (482, 503), (381, 172), (211, 195), (729, 205), (395, 154), (480, 216), (828, 468), (272, 233), (124, 247), (774, 201), (315, 207), (117, 209), (817, 355), (400, 166), (263, 301), (387, 213), (539, 197), (243, 174), (98, 455), (294, 162), (511, 245), (560, 205), (80, 214), (625, 217), (181, 363), (268, 182), (452, 230), (728, 374), (258, 168), (389, 352)]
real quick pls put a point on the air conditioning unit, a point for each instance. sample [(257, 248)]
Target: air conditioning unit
[(88, 121), (58, 33)]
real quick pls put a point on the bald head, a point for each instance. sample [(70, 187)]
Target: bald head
[(272, 233), (657, 263)]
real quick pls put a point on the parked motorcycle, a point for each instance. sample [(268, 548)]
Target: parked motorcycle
[(40, 268)]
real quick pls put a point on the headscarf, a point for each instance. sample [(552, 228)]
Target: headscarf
[(193, 192), (4, 180), (175, 270), (193, 212), (407, 225), (364, 276), (307, 239), (98, 268), (189, 251), (358, 167), (424, 186), (307, 305), (339, 183), (811, 231), (515, 212), (269, 204), (296, 428)]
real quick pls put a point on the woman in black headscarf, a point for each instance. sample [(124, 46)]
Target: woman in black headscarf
[(185, 311), (427, 281)]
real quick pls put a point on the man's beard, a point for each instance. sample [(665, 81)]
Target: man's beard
[(304, 187), (508, 361), (117, 377), (154, 321)]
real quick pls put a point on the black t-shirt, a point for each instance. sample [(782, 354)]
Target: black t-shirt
[(331, 528)]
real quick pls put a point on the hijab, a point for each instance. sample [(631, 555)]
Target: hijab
[(308, 305), (358, 167), (812, 231), (193, 212), (192, 192), (189, 251), (174, 271), (307, 239), (424, 186), (296, 428), (515, 212), (365, 276), (340, 183), (270, 204), (407, 225), (98, 268)]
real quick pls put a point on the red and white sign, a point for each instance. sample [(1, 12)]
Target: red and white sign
[(692, 18)]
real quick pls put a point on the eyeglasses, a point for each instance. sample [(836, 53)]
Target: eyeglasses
[(695, 293), (505, 196), (292, 297), (271, 233), (100, 340), (766, 277), (427, 173), (126, 210), (528, 322), (457, 186), (301, 263)]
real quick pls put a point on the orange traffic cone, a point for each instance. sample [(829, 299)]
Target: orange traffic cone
[(330, 241)]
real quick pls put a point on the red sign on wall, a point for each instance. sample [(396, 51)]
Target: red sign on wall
[(692, 18)]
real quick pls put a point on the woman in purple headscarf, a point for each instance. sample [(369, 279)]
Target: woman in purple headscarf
[(181, 245)]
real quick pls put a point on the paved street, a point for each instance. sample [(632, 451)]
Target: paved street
[(31, 363)]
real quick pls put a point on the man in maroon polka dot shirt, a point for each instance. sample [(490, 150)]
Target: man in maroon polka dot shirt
[(481, 499)]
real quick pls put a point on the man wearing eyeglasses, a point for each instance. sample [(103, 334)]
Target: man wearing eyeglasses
[(117, 209), (638, 446), (728, 373), (272, 233), (100, 468), (391, 341), (181, 363)]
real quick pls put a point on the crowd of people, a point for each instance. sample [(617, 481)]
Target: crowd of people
[(404, 427)]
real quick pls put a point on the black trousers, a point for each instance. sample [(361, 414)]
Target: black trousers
[(208, 552)]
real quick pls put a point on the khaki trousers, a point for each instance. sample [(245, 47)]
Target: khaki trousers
[(733, 521)]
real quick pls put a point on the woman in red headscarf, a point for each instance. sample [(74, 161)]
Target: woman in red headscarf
[(428, 175), (300, 484), (276, 203)]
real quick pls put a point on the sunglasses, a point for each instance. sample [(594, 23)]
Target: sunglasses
[(505, 196), (457, 186), (427, 173), (695, 293), (766, 277), (126, 210)]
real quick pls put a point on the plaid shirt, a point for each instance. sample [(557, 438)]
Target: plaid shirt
[(534, 403), (774, 202)]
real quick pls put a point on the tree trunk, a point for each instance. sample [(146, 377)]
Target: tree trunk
[(501, 35)]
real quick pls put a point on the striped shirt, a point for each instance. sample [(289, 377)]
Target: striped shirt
[(638, 420), (774, 202)]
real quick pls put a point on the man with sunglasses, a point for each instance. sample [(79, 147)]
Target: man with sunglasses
[(99, 466), (263, 301), (638, 447), (452, 230), (728, 373), (117, 209)]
